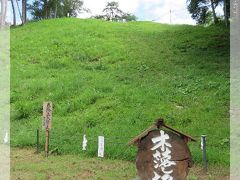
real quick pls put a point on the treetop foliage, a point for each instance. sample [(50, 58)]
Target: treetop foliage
[(112, 12), (203, 11), (43, 9)]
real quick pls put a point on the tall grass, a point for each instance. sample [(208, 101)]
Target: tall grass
[(115, 79)]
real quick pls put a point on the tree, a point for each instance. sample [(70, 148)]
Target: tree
[(14, 13), (44, 9), (129, 17), (72, 7), (99, 17), (56, 9), (201, 10), (3, 13), (214, 4), (24, 11), (19, 11), (113, 13), (37, 9), (198, 9), (226, 10)]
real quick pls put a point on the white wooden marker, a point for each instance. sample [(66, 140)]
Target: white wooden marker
[(5, 140), (84, 143), (100, 146)]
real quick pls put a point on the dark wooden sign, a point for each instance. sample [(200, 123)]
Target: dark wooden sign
[(162, 154)]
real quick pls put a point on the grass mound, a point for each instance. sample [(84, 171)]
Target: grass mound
[(115, 79)]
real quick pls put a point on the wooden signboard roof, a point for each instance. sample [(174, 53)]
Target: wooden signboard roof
[(159, 123)]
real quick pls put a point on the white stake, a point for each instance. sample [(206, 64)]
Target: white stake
[(5, 140), (84, 143), (100, 146)]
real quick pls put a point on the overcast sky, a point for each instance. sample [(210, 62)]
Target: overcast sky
[(147, 10)]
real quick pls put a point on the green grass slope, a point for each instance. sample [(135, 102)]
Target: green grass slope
[(115, 79)]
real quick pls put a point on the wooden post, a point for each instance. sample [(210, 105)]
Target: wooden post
[(47, 143), (37, 143), (203, 143)]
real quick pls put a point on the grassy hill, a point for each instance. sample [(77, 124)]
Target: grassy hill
[(115, 79)]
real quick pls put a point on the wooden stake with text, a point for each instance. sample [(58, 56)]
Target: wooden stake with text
[(47, 123)]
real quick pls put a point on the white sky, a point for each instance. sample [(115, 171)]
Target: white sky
[(147, 10)]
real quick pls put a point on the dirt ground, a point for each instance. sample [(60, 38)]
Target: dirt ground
[(4, 162), (27, 165)]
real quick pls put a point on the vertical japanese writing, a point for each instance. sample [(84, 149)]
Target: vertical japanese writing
[(162, 157), (47, 115)]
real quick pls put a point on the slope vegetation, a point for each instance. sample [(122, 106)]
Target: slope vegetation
[(115, 79)]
